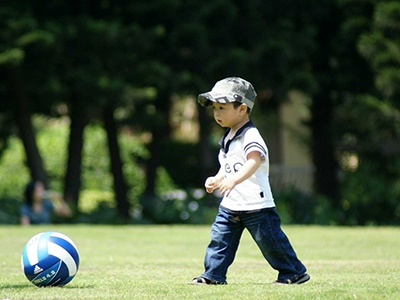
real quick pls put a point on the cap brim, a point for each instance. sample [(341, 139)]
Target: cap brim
[(206, 99)]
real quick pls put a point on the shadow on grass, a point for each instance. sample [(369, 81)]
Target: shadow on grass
[(88, 286), (24, 286), (15, 286)]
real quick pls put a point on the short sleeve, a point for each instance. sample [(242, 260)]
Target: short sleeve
[(253, 141)]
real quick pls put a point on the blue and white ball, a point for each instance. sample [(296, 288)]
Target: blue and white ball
[(50, 259)]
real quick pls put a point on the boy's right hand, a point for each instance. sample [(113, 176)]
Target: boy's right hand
[(210, 184)]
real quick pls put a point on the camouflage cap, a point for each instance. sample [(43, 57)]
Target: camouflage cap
[(230, 89)]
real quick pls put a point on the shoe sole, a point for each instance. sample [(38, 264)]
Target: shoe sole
[(301, 280), (205, 281), (305, 278)]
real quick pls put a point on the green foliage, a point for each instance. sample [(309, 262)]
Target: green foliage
[(104, 213), (14, 174), (131, 53), (52, 140), (96, 198), (381, 47), (381, 129), (9, 211), (90, 200), (96, 175), (371, 193), (96, 172), (18, 30), (370, 187)]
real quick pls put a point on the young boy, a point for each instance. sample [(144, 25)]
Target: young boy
[(243, 181)]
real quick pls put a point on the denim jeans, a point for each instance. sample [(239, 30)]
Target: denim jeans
[(265, 228)]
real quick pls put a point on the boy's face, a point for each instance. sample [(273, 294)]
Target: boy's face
[(226, 115)]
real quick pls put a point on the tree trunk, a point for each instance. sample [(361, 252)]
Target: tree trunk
[(326, 167), (79, 119), (120, 189), (207, 158), (160, 132), (22, 115), (322, 108)]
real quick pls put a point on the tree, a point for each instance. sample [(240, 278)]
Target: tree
[(21, 37), (22, 116), (79, 119), (372, 187), (120, 188), (381, 47), (82, 62), (94, 62)]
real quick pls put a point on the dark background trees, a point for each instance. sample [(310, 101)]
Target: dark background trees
[(133, 58)]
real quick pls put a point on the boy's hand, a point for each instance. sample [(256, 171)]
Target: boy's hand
[(210, 184), (226, 186)]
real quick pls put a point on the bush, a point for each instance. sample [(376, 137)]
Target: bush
[(371, 195), (297, 207), (177, 207), (188, 156), (9, 212), (14, 175)]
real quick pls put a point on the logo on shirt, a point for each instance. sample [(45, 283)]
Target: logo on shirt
[(236, 167)]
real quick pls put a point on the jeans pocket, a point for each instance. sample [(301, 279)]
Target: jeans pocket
[(234, 218)]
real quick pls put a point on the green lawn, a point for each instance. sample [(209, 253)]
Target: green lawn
[(156, 262)]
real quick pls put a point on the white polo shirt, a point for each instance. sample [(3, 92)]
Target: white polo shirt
[(255, 192)]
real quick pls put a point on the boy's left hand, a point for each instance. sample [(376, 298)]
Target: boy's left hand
[(226, 186)]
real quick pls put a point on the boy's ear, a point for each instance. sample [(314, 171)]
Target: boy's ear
[(243, 108)]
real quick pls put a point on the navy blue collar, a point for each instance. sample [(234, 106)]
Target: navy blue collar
[(242, 130)]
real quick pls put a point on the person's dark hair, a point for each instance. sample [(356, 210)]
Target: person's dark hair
[(30, 187), (236, 104)]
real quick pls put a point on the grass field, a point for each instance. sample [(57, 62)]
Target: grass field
[(156, 262)]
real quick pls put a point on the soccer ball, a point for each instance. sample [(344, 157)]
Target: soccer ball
[(50, 259)]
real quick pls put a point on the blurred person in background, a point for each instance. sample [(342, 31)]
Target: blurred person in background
[(39, 205)]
